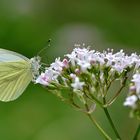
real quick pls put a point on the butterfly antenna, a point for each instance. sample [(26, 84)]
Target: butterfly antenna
[(48, 45)]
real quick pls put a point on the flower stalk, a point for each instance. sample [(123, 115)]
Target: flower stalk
[(106, 136), (137, 133), (110, 121)]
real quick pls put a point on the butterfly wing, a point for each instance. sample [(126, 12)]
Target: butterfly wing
[(15, 75), (10, 56)]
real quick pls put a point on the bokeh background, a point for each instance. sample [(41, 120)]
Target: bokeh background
[(26, 26)]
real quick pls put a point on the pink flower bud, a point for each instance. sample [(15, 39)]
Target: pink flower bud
[(132, 89), (73, 76), (65, 63), (92, 62), (77, 71)]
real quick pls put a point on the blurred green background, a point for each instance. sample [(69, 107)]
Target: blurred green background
[(26, 26)]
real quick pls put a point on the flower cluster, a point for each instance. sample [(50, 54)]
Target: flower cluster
[(89, 74)]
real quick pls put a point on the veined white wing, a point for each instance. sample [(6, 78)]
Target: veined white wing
[(8, 56), (15, 74)]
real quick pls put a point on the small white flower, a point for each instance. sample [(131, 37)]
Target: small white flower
[(136, 80), (77, 85), (131, 101), (72, 58), (137, 64), (78, 54), (42, 79), (84, 65), (73, 76), (82, 53), (47, 77), (52, 74), (57, 65), (118, 67), (98, 57)]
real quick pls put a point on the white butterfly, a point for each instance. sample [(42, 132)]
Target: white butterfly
[(16, 72)]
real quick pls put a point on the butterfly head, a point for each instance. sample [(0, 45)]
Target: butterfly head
[(35, 66)]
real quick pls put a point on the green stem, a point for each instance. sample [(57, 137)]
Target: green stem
[(97, 101), (137, 133), (111, 122), (97, 125), (115, 97), (117, 94)]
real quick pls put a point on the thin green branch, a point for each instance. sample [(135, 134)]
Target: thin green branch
[(96, 100), (110, 121), (137, 133), (96, 124), (117, 94)]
